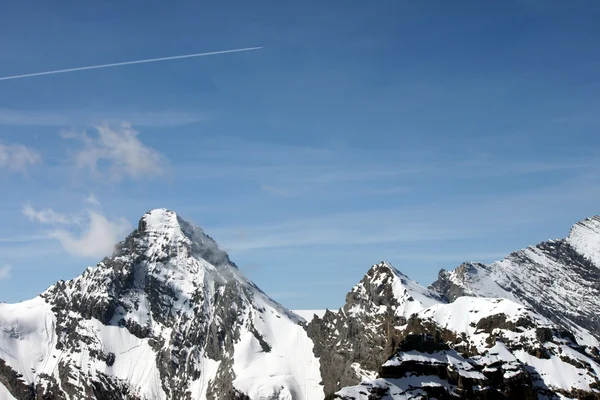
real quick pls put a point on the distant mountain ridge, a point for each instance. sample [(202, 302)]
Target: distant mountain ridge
[(170, 316), (560, 279)]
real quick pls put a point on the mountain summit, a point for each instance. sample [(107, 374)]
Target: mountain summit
[(167, 316), (170, 316), (560, 279)]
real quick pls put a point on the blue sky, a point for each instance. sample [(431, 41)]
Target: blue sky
[(424, 133)]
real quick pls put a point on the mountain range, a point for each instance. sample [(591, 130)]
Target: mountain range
[(169, 316)]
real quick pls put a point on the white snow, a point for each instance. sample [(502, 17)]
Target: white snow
[(362, 373), (543, 275), (585, 238), (5, 394), (405, 289), (407, 388), (556, 373), (465, 312), (27, 337), (479, 282), (199, 387), (308, 315), (171, 254), (28, 340), (409, 295), (135, 360), (450, 358), (288, 370)]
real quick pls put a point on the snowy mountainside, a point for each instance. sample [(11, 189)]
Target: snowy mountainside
[(353, 342), (308, 315), (167, 316), (482, 348), (560, 279)]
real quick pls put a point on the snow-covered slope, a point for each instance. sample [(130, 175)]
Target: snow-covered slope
[(482, 348), (167, 316), (353, 342), (308, 315), (559, 278)]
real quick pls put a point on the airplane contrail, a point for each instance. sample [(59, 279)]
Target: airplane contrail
[(149, 60)]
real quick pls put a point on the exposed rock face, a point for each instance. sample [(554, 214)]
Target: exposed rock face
[(353, 342), (167, 316), (482, 349), (560, 279)]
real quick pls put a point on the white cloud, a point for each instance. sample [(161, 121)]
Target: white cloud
[(47, 216), (97, 240), (88, 234), (17, 157), (91, 199), (5, 272), (118, 147)]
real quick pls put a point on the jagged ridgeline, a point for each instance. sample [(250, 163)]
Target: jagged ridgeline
[(167, 316), (170, 316)]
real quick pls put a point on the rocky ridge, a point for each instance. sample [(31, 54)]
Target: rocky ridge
[(560, 279), (482, 348), (353, 342), (168, 315)]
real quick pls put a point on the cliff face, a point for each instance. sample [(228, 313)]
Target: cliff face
[(482, 348), (560, 279), (353, 342), (167, 316)]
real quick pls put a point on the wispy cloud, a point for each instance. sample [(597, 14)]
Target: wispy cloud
[(17, 157), (5, 272), (91, 199), (48, 216), (289, 171), (81, 118), (427, 223), (97, 239), (87, 234), (119, 147), (450, 257), (351, 228)]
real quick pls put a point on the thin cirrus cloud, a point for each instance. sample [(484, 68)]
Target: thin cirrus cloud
[(91, 199), (70, 117), (5, 272), (88, 234), (119, 148), (47, 216), (429, 222), (17, 157), (286, 171)]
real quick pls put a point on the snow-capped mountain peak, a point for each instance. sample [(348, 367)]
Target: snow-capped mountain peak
[(585, 239), (375, 312), (169, 315), (164, 228), (384, 288), (560, 279), (170, 298)]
